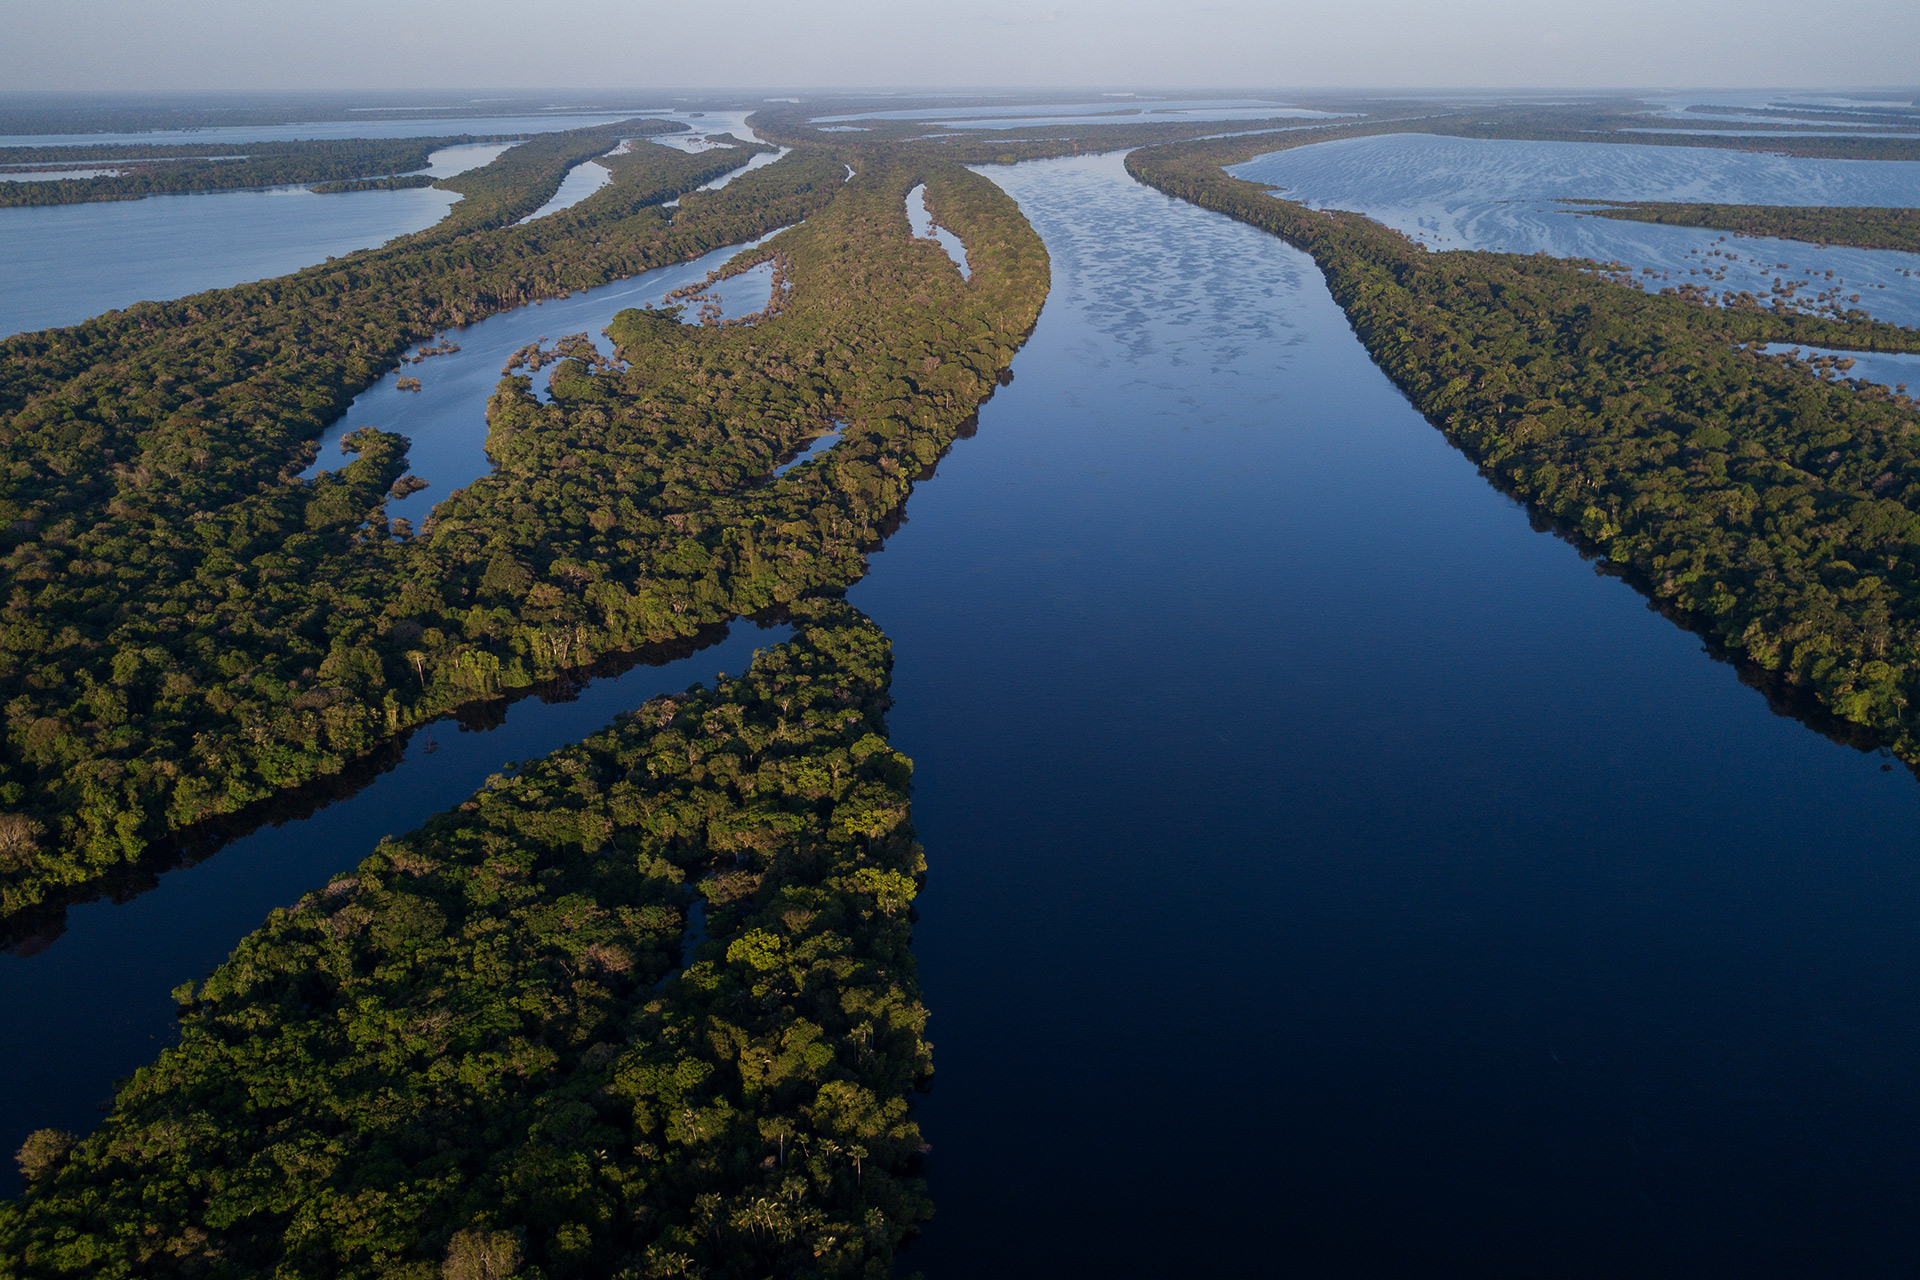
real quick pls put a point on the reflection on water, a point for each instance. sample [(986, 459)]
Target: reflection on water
[(1899, 371), (1330, 874), (924, 226), (581, 181), (1468, 193), (446, 420), (92, 1005), (813, 449), (61, 264)]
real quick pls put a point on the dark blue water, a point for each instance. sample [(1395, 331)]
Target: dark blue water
[(1330, 874), (92, 1005)]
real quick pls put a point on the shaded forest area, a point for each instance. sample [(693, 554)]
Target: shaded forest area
[(1775, 504), (495, 1048)]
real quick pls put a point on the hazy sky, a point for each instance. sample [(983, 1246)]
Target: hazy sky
[(322, 44)]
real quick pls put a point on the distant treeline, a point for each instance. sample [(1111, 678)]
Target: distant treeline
[(406, 183), (23, 114), (253, 165), (1777, 508), (1604, 124), (1863, 227), (1885, 113)]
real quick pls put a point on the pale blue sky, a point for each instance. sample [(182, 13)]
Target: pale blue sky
[(269, 44)]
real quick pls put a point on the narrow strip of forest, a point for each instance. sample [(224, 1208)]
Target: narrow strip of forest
[(484, 1051), (1859, 227), (1777, 508), (150, 171)]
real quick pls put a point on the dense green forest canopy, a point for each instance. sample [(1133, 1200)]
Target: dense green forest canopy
[(149, 171), (1772, 503), (192, 631), (486, 1051), (1861, 227), (404, 182)]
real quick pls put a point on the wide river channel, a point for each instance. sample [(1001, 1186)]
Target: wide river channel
[(1330, 873)]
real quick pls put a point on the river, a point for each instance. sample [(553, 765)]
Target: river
[(1332, 875), (1329, 872)]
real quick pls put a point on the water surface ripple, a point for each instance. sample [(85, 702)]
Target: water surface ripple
[(1473, 193)]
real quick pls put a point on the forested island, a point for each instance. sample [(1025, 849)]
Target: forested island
[(1777, 509), (1862, 228), (187, 167), (208, 634)]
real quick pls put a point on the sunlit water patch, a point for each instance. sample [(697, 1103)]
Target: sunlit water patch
[(61, 264), (814, 448), (1897, 371), (581, 181), (55, 175), (1465, 193), (445, 420)]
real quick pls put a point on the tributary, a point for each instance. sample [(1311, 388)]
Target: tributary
[(1331, 874)]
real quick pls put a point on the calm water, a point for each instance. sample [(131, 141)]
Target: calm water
[(1469, 193), (94, 1005), (370, 127), (581, 181), (1331, 875), (61, 264), (1139, 110), (446, 420), (1899, 370), (923, 226)]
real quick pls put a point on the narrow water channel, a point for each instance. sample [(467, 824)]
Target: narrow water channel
[(88, 1004), (920, 218), (1329, 873), (445, 421)]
